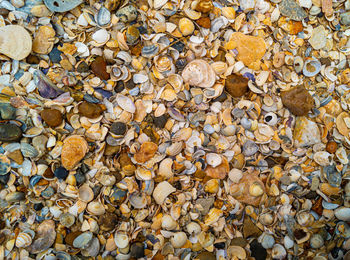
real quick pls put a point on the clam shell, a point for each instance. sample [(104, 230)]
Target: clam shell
[(96, 208), (162, 191), (83, 240), (74, 149), (165, 168), (16, 42), (342, 213), (179, 239), (61, 5), (86, 194), (121, 239), (138, 200), (199, 73), (126, 103), (213, 159), (23, 240), (46, 235)]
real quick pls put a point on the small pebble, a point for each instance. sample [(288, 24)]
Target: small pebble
[(10, 132), (61, 173), (298, 100), (52, 117), (99, 66), (236, 85), (137, 250), (90, 110), (118, 128), (160, 121)]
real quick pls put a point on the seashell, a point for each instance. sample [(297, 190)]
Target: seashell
[(28, 150), (193, 228), (266, 240), (186, 26), (165, 168), (322, 158), (212, 186), (16, 42), (342, 213), (121, 239), (157, 4), (138, 200), (311, 68), (61, 5), (206, 239), (162, 191), (86, 194), (213, 159), (213, 216), (288, 242), (199, 73), (93, 249), (179, 239), (298, 64), (305, 218), (74, 149), (278, 252), (5, 165), (266, 219), (193, 15), (101, 36), (228, 12), (67, 219), (316, 241), (126, 103), (96, 208), (219, 67), (23, 240), (150, 51), (236, 252), (83, 240), (103, 16), (45, 86), (218, 23), (45, 237), (168, 222)]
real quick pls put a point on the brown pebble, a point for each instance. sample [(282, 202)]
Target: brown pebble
[(204, 22), (52, 117), (331, 147), (16, 156), (236, 85), (298, 100), (250, 229), (98, 67), (32, 59), (90, 110)]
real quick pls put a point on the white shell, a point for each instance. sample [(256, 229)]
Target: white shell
[(101, 36), (213, 159), (165, 168), (96, 208), (168, 222), (179, 239), (126, 103), (121, 239), (162, 191), (342, 213)]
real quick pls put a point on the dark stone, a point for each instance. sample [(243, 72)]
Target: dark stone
[(52, 117), (206, 256), (32, 59), (61, 173), (220, 245), (108, 221), (99, 68), (179, 46), (4, 178), (10, 133), (236, 85), (221, 98), (90, 110), (257, 250), (7, 111), (129, 84), (80, 177), (55, 55), (160, 121), (137, 250), (83, 67), (38, 206), (298, 100), (119, 87), (118, 128)]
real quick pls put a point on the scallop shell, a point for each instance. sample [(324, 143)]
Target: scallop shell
[(74, 149), (162, 191), (16, 42), (199, 73), (23, 240)]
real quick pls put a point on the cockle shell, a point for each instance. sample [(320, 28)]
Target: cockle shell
[(199, 73), (74, 149), (23, 240), (162, 191), (15, 42), (179, 239)]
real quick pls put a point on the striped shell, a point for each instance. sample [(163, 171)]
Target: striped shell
[(23, 240)]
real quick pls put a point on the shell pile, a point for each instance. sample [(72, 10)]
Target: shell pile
[(175, 130)]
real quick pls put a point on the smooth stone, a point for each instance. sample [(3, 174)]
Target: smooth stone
[(119, 87), (342, 213), (258, 252), (61, 5), (61, 173), (298, 100), (306, 132), (52, 117), (137, 250), (291, 9), (16, 156), (318, 38), (7, 111), (118, 128), (10, 133), (250, 229), (206, 205), (236, 85), (89, 110), (32, 59), (250, 48), (127, 14), (108, 221), (98, 67), (239, 241), (160, 121)]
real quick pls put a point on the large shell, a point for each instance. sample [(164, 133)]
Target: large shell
[(199, 73), (74, 149), (45, 237), (162, 191), (15, 42)]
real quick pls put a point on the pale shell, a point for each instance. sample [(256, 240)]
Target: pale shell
[(23, 240), (199, 73), (162, 191), (179, 239), (213, 159), (16, 42), (126, 103), (121, 239), (96, 208)]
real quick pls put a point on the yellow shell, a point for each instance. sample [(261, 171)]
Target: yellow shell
[(186, 26), (23, 240), (229, 12)]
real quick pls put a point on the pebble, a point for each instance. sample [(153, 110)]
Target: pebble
[(43, 41), (236, 85), (90, 110), (52, 117), (291, 9), (118, 128), (298, 100), (318, 38), (137, 250), (55, 55), (10, 132), (258, 252), (306, 132), (7, 111), (160, 121), (61, 173), (83, 67), (99, 67)]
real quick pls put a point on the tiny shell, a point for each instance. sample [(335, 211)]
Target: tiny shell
[(162, 191), (311, 68)]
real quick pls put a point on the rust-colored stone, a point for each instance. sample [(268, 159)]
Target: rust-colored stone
[(298, 100), (236, 85)]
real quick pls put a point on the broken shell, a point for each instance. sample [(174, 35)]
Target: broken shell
[(311, 68), (278, 252), (256, 189), (213, 159), (162, 191), (199, 73), (15, 42), (165, 168), (96, 208), (168, 222)]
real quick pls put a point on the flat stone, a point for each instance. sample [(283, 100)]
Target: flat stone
[(298, 100), (250, 229), (236, 85), (250, 48), (52, 117), (318, 38), (16, 156), (7, 111), (306, 132)]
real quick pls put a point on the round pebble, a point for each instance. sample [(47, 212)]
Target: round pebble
[(61, 173), (52, 117), (118, 128)]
